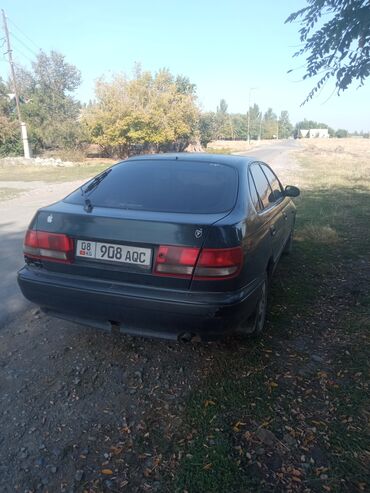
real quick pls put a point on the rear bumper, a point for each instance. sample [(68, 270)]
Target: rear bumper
[(138, 310)]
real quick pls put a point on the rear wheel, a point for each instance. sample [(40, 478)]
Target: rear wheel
[(254, 325)]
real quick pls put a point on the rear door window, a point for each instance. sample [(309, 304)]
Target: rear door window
[(165, 186), (275, 184), (253, 193), (262, 185)]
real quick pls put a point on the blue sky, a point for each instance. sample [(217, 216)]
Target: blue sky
[(224, 47)]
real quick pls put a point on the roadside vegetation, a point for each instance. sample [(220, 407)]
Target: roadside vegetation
[(130, 114), (290, 412), (55, 174)]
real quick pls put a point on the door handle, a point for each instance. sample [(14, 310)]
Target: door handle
[(285, 216), (272, 230)]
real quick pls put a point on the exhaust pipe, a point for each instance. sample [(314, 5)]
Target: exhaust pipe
[(185, 337)]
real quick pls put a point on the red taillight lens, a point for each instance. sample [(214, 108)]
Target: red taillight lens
[(217, 263), (176, 261), (51, 246), (209, 263)]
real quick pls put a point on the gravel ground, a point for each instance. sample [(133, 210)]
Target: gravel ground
[(82, 408)]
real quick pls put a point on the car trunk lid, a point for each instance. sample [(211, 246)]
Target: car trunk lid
[(135, 231)]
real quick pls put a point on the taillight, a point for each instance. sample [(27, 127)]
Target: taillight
[(176, 261), (49, 246), (205, 264), (215, 263)]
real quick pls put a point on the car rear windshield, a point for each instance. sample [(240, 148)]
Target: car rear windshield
[(163, 186)]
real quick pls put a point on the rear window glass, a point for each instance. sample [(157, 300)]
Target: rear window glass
[(165, 186)]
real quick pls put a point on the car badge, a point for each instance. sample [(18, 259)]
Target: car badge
[(50, 218), (198, 233)]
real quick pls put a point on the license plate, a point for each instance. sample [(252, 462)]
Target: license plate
[(114, 253)]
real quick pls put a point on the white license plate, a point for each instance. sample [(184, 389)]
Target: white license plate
[(114, 253)]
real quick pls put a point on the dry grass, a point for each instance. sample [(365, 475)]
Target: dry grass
[(338, 169), (337, 162), (318, 234), (237, 145)]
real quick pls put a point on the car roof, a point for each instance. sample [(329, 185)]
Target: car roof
[(235, 161)]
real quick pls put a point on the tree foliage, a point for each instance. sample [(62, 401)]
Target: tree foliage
[(207, 128), (336, 37), (269, 125), (234, 126), (10, 142), (148, 112), (285, 127), (47, 103)]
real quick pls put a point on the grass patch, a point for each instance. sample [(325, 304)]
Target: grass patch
[(220, 150), (210, 462), (50, 174), (7, 193)]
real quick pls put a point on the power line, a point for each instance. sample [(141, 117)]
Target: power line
[(17, 50), (23, 33), (23, 44)]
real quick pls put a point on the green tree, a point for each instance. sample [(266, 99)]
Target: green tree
[(239, 126), (224, 125), (147, 112), (223, 107), (10, 142), (48, 106), (255, 122), (336, 37), (285, 127), (269, 125), (207, 128), (341, 133)]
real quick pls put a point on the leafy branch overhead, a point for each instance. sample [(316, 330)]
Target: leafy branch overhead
[(336, 34)]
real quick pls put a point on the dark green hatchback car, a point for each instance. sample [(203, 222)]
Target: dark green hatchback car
[(172, 245)]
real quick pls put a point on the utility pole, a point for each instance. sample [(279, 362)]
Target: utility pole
[(249, 112), (24, 137), (260, 135)]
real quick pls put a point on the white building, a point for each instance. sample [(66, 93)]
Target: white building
[(318, 133)]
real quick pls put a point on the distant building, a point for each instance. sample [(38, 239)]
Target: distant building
[(318, 133), (304, 133), (314, 133)]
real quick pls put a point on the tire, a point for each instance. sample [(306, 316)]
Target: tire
[(255, 324)]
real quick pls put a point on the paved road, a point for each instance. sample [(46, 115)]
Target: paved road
[(16, 214), (274, 154)]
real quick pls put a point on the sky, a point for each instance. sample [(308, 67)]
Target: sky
[(239, 50)]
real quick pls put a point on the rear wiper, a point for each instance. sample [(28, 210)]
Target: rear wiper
[(91, 186), (95, 182)]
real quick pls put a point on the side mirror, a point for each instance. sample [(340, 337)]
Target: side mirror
[(291, 191)]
